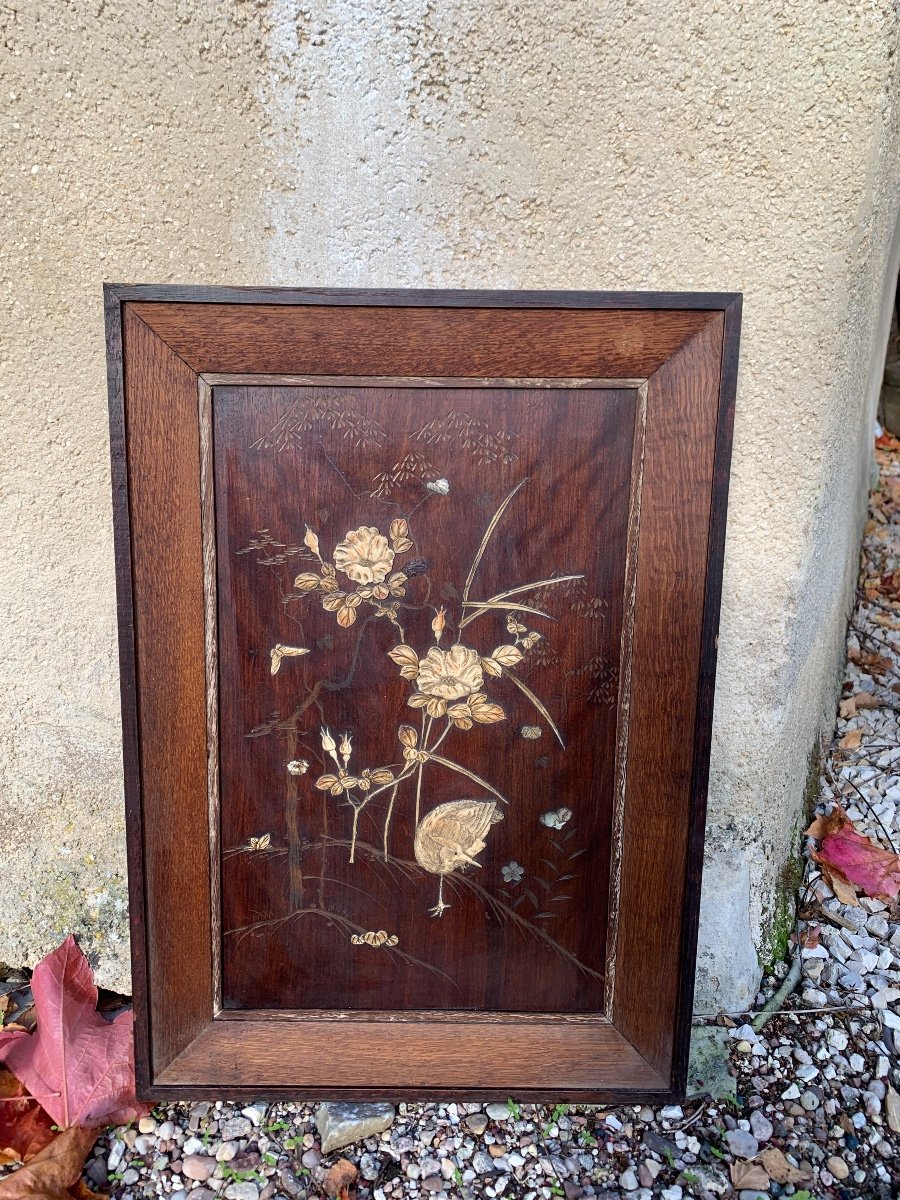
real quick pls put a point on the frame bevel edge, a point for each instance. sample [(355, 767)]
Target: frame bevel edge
[(728, 369), (173, 293), (660, 1089), (121, 513)]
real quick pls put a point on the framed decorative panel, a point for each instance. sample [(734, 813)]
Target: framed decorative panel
[(418, 597)]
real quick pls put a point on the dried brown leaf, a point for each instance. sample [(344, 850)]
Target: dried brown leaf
[(25, 1128), (751, 1176), (53, 1170), (778, 1167), (339, 1179)]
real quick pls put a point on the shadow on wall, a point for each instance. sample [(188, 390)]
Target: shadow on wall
[(889, 401)]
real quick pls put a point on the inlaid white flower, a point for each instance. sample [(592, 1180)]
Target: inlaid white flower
[(364, 555)]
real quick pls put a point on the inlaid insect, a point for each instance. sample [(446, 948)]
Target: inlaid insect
[(278, 652)]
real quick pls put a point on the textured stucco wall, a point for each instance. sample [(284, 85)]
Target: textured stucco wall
[(724, 145)]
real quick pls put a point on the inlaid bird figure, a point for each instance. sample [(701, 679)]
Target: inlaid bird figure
[(450, 836)]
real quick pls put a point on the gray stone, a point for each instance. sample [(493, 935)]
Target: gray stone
[(482, 1163), (851, 981), (97, 1173), (341, 1124), (198, 1112), (498, 1112), (289, 1182), (709, 1064), (477, 1123), (235, 1127), (659, 1145), (709, 1179), (115, 1156), (760, 1126), (741, 1143), (432, 1183), (242, 1189), (226, 1151), (628, 1181), (671, 1112), (648, 1171)]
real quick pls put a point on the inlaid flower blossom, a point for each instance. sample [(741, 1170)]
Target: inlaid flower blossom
[(364, 555), (450, 674), (512, 872)]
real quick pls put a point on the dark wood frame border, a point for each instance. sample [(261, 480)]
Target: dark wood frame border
[(163, 342)]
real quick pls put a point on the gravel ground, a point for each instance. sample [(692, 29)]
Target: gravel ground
[(815, 1111)]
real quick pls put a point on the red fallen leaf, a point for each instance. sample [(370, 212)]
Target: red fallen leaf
[(79, 1067), (854, 858), (54, 1170), (25, 1129), (887, 441)]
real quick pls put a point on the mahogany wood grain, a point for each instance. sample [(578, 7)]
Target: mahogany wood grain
[(547, 952)]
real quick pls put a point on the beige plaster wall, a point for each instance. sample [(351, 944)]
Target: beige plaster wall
[(652, 144)]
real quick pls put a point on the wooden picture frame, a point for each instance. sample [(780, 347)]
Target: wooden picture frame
[(674, 358)]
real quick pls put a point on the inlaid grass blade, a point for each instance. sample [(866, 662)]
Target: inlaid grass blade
[(537, 704), (487, 537), (445, 762)]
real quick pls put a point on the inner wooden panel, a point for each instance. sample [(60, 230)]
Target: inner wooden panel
[(416, 793)]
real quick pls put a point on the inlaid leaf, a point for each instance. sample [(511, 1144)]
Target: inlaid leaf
[(507, 656)]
